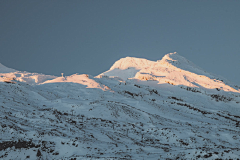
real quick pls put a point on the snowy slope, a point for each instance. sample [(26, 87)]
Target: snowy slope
[(4, 69), (83, 79), (8, 74), (82, 117)]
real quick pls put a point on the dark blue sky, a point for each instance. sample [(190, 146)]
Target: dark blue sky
[(57, 36)]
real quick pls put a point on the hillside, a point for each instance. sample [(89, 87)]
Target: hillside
[(138, 109)]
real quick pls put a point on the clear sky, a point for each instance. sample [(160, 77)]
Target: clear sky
[(88, 36)]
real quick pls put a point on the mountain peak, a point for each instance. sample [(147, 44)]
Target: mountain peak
[(170, 60), (174, 60), (129, 62), (174, 57), (172, 68)]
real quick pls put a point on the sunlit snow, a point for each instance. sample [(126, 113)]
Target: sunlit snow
[(138, 109)]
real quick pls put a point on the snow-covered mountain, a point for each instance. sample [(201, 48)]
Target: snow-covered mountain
[(138, 109), (172, 68), (8, 74)]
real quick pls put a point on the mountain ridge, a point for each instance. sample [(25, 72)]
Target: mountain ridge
[(170, 60), (162, 112), (172, 68)]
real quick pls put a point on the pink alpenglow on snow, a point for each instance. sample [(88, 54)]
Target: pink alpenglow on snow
[(172, 68), (80, 79)]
